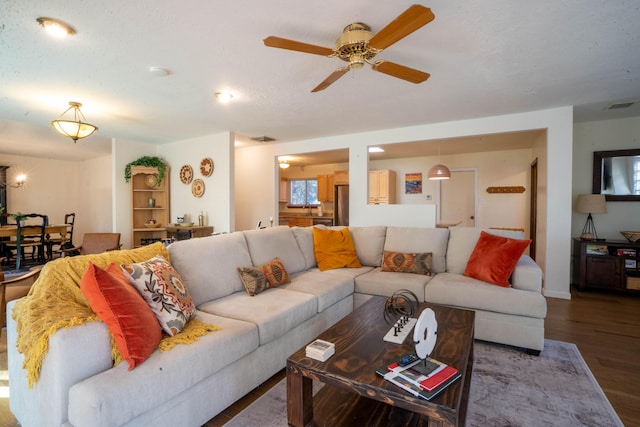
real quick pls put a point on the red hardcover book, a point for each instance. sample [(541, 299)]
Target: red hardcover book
[(439, 378)]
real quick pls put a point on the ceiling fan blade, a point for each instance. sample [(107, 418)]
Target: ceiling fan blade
[(400, 71), (281, 43), (410, 20), (332, 78)]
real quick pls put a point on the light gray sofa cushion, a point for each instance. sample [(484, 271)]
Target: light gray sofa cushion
[(304, 237), (462, 241), (117, 393), (420, 240), (275, 311), (369, 243), (209, 265), (378, 282), (329, 288), (462, 291), (268, 243)]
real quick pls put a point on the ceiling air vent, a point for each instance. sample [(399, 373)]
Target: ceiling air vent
[(620, 105), (263, 138)]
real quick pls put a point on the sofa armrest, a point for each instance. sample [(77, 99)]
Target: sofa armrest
[(74, 354), (527, 275)]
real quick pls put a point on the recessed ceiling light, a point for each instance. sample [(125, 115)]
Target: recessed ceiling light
[(376, 150), (55, 27), (224, 97)]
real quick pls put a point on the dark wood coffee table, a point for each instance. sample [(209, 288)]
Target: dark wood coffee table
[(354, 395)]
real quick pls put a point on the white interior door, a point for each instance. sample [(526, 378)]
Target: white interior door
[(458, 198)]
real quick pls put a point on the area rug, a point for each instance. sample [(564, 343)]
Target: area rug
[(508, 388)]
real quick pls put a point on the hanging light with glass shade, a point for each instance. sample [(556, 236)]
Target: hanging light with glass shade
[(77, 128), (439, 171)]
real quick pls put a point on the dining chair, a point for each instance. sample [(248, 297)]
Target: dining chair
[(70, 220), (21, 283), (95, 243), (29, 235)]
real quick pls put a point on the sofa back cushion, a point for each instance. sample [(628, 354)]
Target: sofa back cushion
[(209, 265), (369, 243), (420, 240), (462, 241), (304, 237), (269, 243)]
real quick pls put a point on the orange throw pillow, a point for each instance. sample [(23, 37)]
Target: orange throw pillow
[(133, 325), (494, 258), (334, 249)]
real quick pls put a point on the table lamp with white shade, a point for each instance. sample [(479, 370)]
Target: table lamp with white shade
[(590, 204)]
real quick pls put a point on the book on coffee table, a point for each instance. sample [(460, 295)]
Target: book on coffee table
[(422, 378)]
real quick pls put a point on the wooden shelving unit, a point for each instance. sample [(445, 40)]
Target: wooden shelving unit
[(142, 211), (606, 265)]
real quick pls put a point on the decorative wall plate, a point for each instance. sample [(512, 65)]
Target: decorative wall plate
[(186, 174), (151, 180), (206, 167), (197, 187)]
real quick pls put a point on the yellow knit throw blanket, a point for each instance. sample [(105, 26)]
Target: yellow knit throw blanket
[(55, 302)]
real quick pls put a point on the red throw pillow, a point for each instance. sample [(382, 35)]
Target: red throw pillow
[(494, 258), (133, 325)]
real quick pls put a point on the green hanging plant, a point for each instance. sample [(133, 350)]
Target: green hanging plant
[(156, 162)]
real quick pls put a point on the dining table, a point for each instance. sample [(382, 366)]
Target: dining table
[(11, 231)]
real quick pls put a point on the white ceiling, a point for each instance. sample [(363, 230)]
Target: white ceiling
[(485, 58)]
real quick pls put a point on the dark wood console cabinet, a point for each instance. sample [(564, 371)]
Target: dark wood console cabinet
[(610, 264)]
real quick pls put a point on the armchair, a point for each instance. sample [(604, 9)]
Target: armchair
[(95, 243)]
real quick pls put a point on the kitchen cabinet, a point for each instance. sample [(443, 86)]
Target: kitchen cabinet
[(341, 177), (609, 264), (283, 191), (304, 221), (149, 205), (382, 187), (325, 188)]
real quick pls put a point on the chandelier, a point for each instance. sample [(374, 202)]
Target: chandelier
[(77, 128)]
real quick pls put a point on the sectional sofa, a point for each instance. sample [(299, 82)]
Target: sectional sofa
[(190, 384)]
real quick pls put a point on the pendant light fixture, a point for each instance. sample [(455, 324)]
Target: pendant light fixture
[(77, 128), (439, 171)]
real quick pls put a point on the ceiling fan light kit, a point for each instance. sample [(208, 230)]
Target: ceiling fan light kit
[(357, 45)]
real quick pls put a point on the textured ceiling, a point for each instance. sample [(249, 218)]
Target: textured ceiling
[(485, 58)]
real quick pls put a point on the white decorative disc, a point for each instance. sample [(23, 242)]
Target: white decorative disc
[(425, 333)]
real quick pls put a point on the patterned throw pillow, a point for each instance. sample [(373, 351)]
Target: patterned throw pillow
[(119, 305), (162, 288), (418, 263), (258, 279)]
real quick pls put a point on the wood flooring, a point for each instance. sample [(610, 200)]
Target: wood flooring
[(604, 326)]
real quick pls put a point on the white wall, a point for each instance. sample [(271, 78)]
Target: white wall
[(57, 187), (259, 180), (495, 168), (603, 135), (217, 202), (96, 214)]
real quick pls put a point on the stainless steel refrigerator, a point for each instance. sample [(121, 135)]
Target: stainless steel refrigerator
[(341, 205)]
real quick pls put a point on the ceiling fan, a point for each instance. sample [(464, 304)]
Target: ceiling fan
[(357, 45)]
